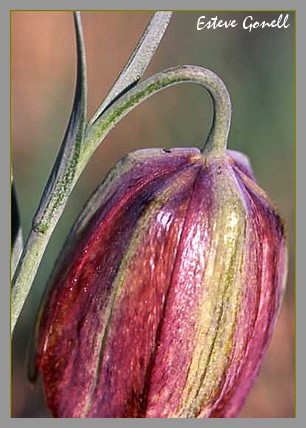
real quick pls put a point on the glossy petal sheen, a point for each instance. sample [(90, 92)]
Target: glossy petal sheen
[(166, 293)]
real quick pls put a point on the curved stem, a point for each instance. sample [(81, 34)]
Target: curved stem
[(217, 139), (94, 135)]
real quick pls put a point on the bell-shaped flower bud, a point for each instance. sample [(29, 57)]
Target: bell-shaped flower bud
[(165, 295)]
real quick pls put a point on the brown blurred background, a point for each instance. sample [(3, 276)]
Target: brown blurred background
[(257, 67)]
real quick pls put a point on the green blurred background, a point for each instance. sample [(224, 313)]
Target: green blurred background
[(258, 68)]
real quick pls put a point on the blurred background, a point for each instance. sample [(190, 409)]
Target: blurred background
[(259, 70)]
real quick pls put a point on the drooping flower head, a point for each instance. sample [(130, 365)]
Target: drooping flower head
[(164, 298)]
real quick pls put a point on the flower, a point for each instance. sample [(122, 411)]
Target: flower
[(164, 298)]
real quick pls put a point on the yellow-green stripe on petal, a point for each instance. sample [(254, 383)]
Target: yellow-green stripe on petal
[(164, 298)]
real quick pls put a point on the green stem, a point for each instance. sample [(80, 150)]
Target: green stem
[(94, 135), (217, 139), (24, 276)]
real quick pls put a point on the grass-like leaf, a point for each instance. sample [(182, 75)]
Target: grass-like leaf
[(64, 170), (138, 61), (60, 184), (16, 232)]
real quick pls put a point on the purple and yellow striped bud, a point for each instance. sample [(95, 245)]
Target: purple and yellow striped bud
[(166, 293)]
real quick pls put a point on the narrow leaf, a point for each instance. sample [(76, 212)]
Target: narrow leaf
[(16, 232), (63, 172), (138, 61), (61, 181)]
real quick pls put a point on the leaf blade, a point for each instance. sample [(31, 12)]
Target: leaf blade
[(138, 61), (16, 231), (60, 183), (63, 172)]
